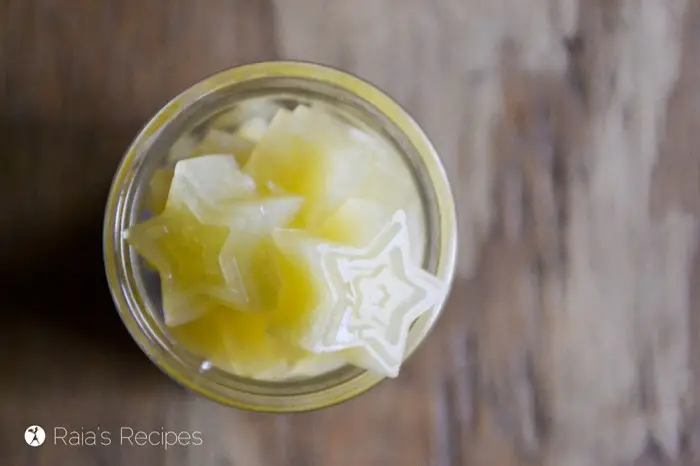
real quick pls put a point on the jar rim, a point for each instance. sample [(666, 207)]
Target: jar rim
[(128, 302)]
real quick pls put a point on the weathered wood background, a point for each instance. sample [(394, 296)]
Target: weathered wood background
[(571, 131)]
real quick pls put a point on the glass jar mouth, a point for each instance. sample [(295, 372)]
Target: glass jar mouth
[(126, 285)]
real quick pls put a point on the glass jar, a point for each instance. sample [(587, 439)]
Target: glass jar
[(136, 292)]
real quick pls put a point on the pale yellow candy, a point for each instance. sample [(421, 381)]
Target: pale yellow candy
[(238, 342), (355, 223), (367, 297), (245, 111), (184, 242), (182, 149), (222, 142), (307, 365), (203, 183), (253, 130), (387, 179), (391, 185), (309, 154), (249, 223), (186, 254)]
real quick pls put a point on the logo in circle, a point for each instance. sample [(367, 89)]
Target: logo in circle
[(34, 436)]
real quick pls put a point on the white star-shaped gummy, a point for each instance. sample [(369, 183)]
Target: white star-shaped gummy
[(367, 297)]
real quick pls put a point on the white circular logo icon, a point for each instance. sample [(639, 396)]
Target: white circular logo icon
[(34, 436)]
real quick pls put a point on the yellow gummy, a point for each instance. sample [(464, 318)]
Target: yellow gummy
[(245, 342), (250, 222), (222, 142), (253, 130), (186, 254), (308, 154), (356, 222), (236, 340)]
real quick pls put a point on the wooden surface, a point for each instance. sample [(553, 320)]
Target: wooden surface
[(571, 131)]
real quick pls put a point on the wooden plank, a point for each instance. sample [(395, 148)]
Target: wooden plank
[(549, 117)]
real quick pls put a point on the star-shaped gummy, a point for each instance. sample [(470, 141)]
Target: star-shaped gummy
[(367, 298), (246, 267), (185, 252), (203, 242)]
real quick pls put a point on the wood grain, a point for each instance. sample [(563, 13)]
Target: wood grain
[(570, 133)]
